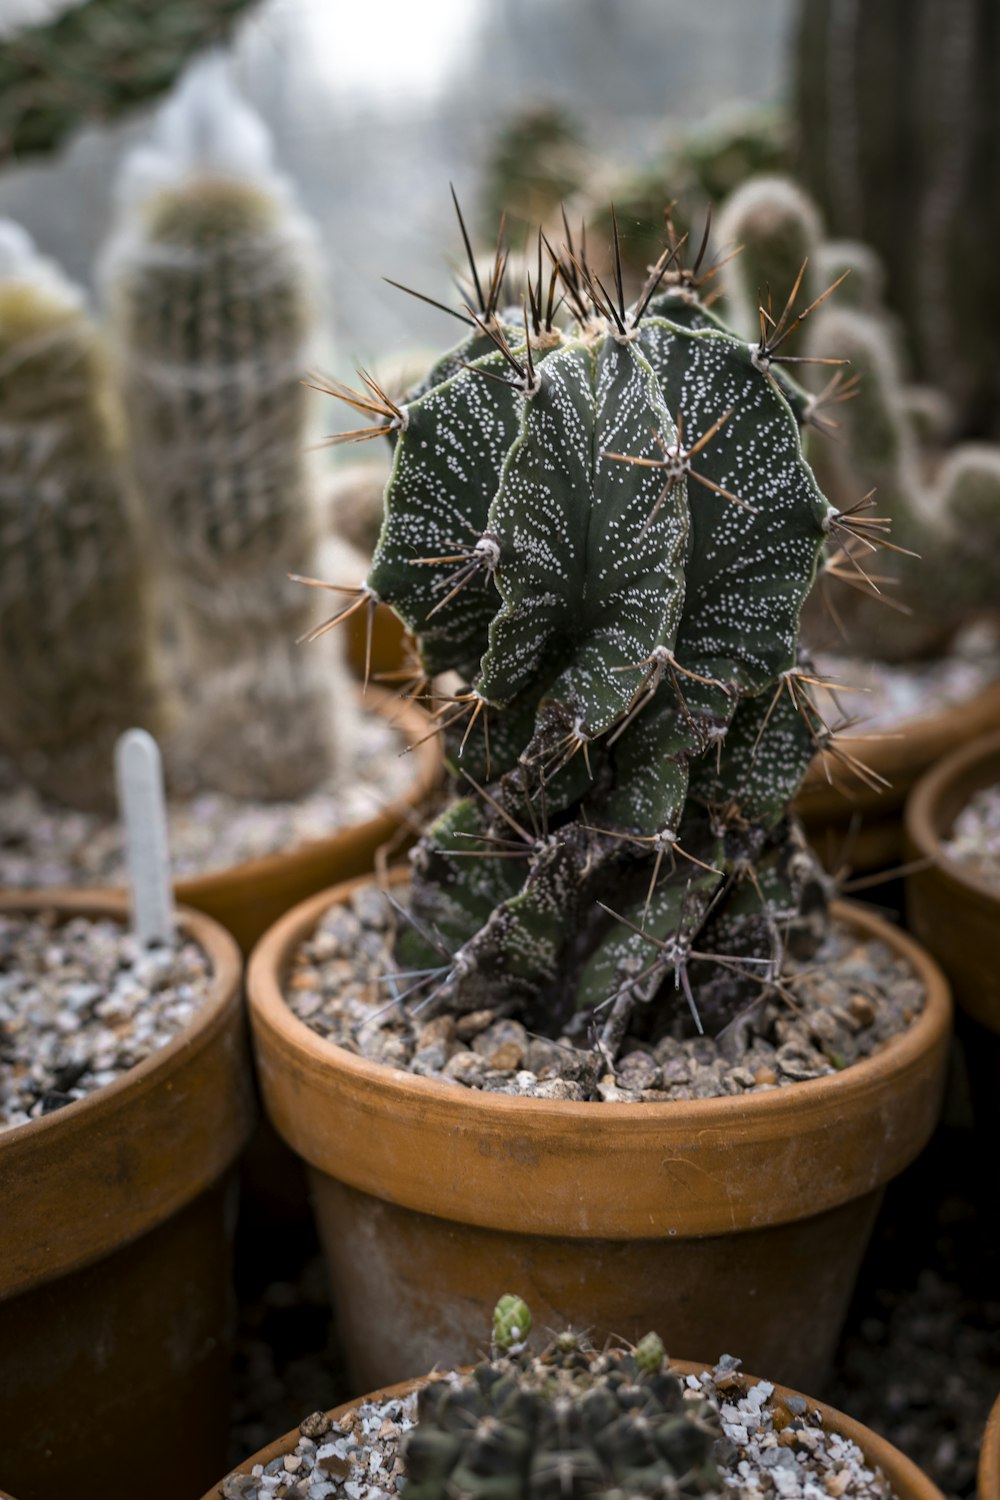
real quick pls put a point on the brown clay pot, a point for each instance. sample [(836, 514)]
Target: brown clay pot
[(736, 1223), (864, 828), (248, 898), (988, 1479), (906, 1480), (115, 1248), (957, 915), (386, 649)]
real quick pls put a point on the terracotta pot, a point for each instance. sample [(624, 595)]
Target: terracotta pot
[(957, 915), (389, 639), (736, 1223), (988, 1486), (864, 827), (248, 898), (906, 1480), (115, 1246)]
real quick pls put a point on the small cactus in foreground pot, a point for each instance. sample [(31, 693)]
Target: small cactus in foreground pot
[(608, 530), (570, 1421)]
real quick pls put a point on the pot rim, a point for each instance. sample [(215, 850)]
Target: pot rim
[(926, 738), (909, 1482), (988, 1474), (42, 1159), (923, 816), (695, 1143), (428, 758)]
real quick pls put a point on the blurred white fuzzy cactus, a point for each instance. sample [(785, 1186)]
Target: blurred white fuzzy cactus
[(211, 280), (76, 641)]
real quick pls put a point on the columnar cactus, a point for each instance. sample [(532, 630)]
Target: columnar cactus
[(211, 284), (899, 132), (569, 1422), (945, 551), (76, 639), (94, 61), (608, 531)]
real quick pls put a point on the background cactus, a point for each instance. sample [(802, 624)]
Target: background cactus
[(899, 134), (211, 282), (567, 1422), (76, 637), (608, 531), (95, 60), (945, 552)]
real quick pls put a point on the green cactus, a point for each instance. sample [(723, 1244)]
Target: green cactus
[(608, 531), (537, 163), (76, 638), (212, 289), (94, 61), (566, 1423), (898, 136), (945, 550)]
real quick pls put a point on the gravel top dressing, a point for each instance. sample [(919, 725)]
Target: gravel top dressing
[(849, 1000), (975, 838), (80, 1003), (768, 1448), (43, 844), (895, 692)]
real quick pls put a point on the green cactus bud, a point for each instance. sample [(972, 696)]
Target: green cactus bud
[(649, 1354), (608, 530), (511, 1321), (210, 275), (76, 634)]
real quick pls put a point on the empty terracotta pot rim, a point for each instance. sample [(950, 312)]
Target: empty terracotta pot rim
[(909, 1482), (428, 758), (927, 823), (690, 1164), (925, 738), (67, 1180)]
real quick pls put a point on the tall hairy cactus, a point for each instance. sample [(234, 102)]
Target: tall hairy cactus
[(899, 136), (76, 645), (608, 530), (945, 553), (212, 289), (569, 1421)]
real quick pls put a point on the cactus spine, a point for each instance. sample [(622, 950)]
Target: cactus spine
[(76, 647), (210, 279), (946, 515), (899, 133), (608, 531), (568, 1422)]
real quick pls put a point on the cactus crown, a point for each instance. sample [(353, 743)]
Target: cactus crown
[(608, 530), (568, 1422)]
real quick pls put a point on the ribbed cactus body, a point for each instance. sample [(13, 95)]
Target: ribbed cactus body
[(212, 289), (76, 646), (612, 549), (567, 1423), (899, 136)]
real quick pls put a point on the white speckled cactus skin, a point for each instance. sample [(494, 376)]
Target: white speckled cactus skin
[(608, 531)]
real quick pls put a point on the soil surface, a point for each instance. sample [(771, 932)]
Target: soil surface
[(43, 844), (81, 1002), (841, 1006), (882, 694), (767, 1448), (975, 838)]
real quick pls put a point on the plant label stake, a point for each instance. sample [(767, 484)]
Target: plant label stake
[(142, 805)]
